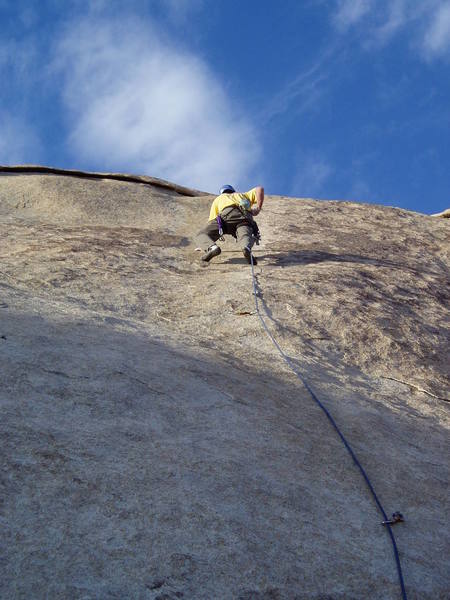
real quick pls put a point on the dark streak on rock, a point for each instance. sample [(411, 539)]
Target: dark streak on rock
[(156, 585)]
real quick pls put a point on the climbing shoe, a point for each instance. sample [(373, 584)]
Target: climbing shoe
[(212, 251), (248, 256)]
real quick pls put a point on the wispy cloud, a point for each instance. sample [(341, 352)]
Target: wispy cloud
[(378, 22), (303, 91), (436, 41), (395, 18), (310, 176), (316, 175), (360, 191), (18, 141), (350, 12), (136, 101), (17, 63), (180, 10)]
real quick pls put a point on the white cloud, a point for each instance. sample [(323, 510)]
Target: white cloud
[(437, 36), (175, 10), (377, 22), (350, 12), (396, 17), (138, 102)]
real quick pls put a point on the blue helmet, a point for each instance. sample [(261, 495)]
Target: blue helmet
[(227, 189)]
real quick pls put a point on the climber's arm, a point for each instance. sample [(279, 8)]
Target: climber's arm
[(259, 200)]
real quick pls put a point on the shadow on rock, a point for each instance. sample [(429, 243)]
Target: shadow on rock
[(307, 257)]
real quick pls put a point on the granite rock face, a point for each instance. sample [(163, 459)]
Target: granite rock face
[(155, 445)]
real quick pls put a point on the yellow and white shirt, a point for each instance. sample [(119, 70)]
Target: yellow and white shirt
[(225, 200)]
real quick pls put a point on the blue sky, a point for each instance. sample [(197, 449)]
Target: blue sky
[(332, 99)]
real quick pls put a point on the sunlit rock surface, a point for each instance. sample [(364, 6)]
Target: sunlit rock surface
[(154, 443)]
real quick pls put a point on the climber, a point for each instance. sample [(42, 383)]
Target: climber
[(232, 213)]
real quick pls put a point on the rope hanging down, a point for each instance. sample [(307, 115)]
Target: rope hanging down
[(386, 521)]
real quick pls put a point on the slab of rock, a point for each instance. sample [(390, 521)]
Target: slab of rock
[(155, 443)]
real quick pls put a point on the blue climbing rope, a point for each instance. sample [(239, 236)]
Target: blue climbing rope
[(386, 521)]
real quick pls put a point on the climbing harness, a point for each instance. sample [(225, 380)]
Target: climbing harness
[(396, 517), (220, 225), (251, 223), (256, 234)]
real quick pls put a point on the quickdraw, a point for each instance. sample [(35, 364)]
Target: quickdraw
[(396, 518)]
